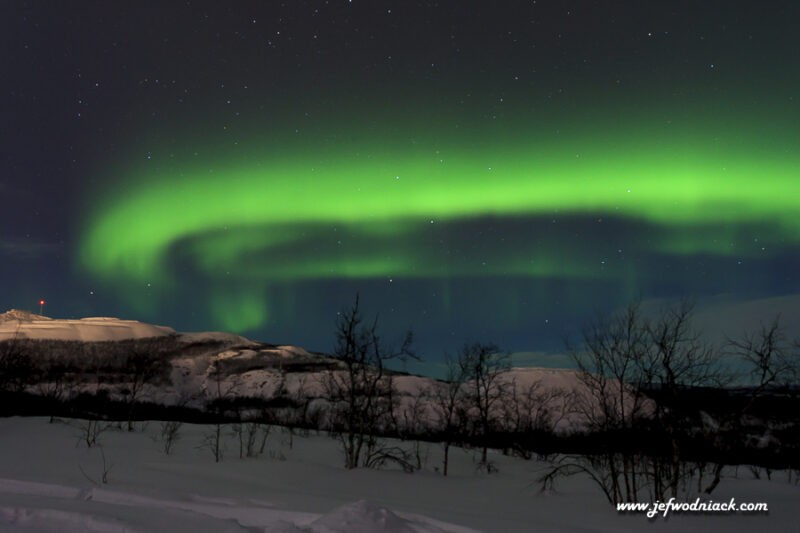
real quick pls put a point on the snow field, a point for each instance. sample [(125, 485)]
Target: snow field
[(50, 481)]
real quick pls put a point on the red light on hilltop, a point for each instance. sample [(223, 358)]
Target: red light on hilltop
[(41, 302)]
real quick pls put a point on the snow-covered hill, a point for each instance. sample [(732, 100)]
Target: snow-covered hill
[(202, 364), (23, 325)]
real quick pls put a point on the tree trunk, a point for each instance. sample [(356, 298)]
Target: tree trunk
[(446, 457)]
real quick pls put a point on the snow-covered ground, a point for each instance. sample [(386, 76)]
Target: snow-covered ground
[(50, 481)]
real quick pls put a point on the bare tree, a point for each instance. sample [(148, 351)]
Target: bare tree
[(54, 381), (636, 375), (679, 359), (143, 367), (107, 466), (360, 391), (169, 434), (220, 391), (296, 411), (611, 364), (530, 412), (768, 355), (483, 367), (15, 364), (169, 430), (449, 404), (771, 365), (414, 423), (91, 430)]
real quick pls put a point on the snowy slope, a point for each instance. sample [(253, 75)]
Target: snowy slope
[(303, 488), (17, 324), (259, 370)]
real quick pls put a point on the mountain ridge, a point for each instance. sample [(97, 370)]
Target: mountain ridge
[(194, 367)]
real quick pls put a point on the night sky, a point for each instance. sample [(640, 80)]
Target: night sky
[(492, 171)]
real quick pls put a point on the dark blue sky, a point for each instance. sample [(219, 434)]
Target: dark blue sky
[(102, 103)]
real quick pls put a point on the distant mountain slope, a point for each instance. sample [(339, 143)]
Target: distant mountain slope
[(98, 354), (24, 325)]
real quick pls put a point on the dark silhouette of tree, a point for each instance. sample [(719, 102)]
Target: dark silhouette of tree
[(144, 366), (638, 375), (15, 364), (360, 391), (482, 366), (449, 404), (611, 368), (221, 391), (768, 357), (678, 358)]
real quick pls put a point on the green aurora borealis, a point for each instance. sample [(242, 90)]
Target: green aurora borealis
[(494, 172), (392, 207)]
